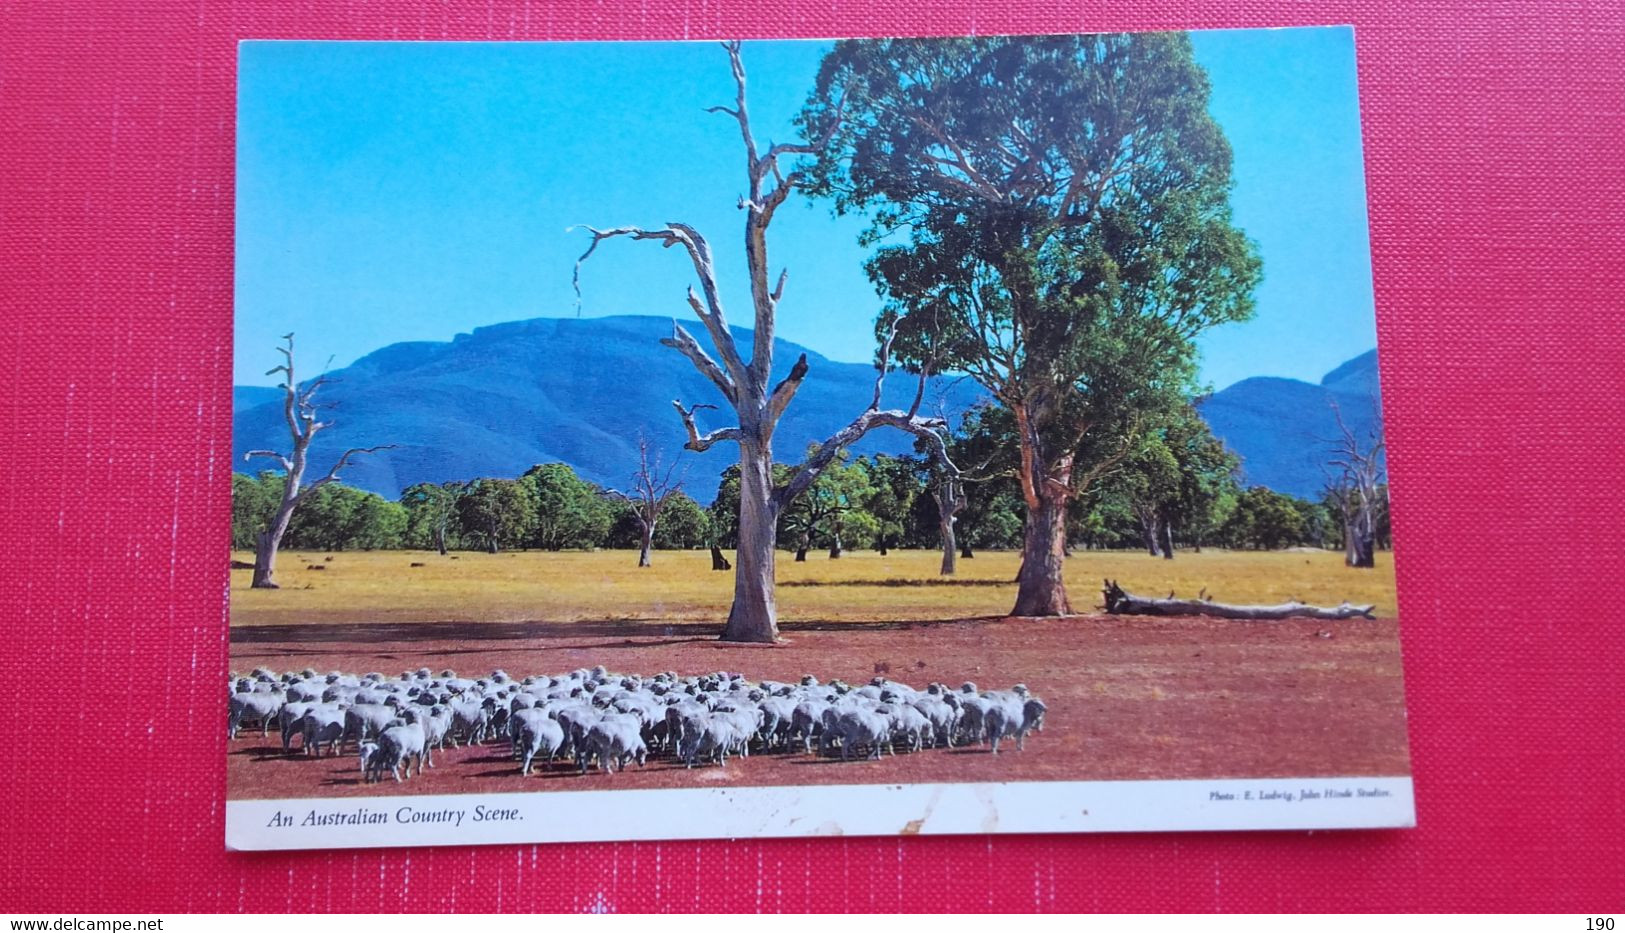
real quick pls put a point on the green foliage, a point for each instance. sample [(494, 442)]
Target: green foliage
[(985, 448), (570, 512), (1264, 518), (431, 515), (497, 513), (1177, 475), (336, 517), (832, 510), (895, 484), (682, 525), (253, 504), (1068, 232), (723, 514), (993, 517)]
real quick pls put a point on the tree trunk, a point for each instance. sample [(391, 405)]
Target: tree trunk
[(801, 553), (264, 561), (946, 524), (648, 537), (1043, 590), (718, 562), (965, 551), (1167, 539), (268, 541), (754, 616), (835, 547), (1122, 602), (1148, 529), (440, 539), (491, 544), (1363, 547)]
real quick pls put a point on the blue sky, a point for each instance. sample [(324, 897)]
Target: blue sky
[(412, 191)]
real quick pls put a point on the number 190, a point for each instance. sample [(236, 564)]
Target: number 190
[(1599, 923)]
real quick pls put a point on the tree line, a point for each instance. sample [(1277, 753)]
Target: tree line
[(1180, 490)]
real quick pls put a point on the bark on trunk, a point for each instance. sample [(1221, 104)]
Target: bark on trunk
[(1364, 552), (754, 616), (440, 540), (1167, 539), (965, 551), (1121, 602), (264, 562), (718, 562), (1043, 590), (1148, 529), (949, 546), (269, 541), (801, 554), (835, 550), (645, 545)]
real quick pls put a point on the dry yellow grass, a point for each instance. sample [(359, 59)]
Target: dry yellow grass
[(382, 586)]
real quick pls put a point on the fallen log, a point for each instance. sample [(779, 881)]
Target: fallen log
[(1121, 602)]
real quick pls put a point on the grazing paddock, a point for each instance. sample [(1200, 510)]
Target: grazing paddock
[(571, 586), (1128, 697)]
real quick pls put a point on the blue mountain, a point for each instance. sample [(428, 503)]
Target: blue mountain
[(1285, 430), (507, 397), (504, 398), (246, 397)]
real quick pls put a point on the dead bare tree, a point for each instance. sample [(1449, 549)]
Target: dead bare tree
[(651, 488), (1121, 602), (771, 176), (1355, 489), (303, 426)]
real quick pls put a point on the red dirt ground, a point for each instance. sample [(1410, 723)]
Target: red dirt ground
[(1129, 698)]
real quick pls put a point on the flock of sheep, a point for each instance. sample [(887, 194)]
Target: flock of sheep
[(595, 718)]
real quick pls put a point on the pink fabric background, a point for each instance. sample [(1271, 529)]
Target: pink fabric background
[(1497, 191)]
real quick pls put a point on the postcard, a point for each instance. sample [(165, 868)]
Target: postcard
[(865, 437)]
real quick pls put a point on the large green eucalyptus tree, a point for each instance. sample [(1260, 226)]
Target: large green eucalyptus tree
[(1052, 217)]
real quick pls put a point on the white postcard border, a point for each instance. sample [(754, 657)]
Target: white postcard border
[(823, 810)]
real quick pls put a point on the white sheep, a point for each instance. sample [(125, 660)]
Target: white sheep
[(323, 725), (615, 740), (536, 734), (365, 721), (261, 707), (858, 726), (401, 744)]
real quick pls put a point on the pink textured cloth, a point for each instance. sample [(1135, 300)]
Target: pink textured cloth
[(1493, 137)]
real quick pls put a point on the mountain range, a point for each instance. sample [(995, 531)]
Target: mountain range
[(1285, 430), (506, 397)]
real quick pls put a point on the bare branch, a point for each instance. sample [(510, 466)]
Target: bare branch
[(698, 442), (667, 238), (786, 390), (929, 430), (699, 252), (883, 364), (341, 463), (287, 464), (683, 342), (778, 290)]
